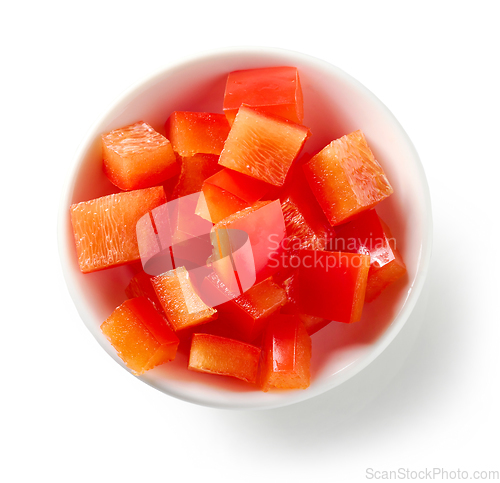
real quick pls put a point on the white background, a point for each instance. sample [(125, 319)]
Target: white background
[(69, 413)]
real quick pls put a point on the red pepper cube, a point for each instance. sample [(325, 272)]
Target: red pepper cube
[(311, 323), (286, 354), (248, 313), (105, 228), (369, 234), (217, 204), (197, 132), (229, 191), (364, 234), (262, 146), (275, 90), (332, 284), (182, 305), (346, 179), (264, 224), (140, 335), (137, 156), (380, 278), (226, 357), (194, 170), (244, 187)]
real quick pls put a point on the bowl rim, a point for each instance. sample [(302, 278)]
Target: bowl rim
[(425, 253)]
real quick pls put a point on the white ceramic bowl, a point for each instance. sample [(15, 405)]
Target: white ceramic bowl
[(334, 104)]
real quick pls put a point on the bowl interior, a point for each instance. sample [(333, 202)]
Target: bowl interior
[(334, 104)]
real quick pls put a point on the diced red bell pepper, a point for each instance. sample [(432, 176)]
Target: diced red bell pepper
[(181, 304), (275, 90), (286, 354), (217, 204), (332, 284), (226, 357), (194, 170), (137, 156), (292, 307), (346, 179), (105, 228), (197, 132), (264, 224), (240, 185), (247, 314), (381, 277), (369, 234), (140, 335), (227, 192), (262, 146)]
